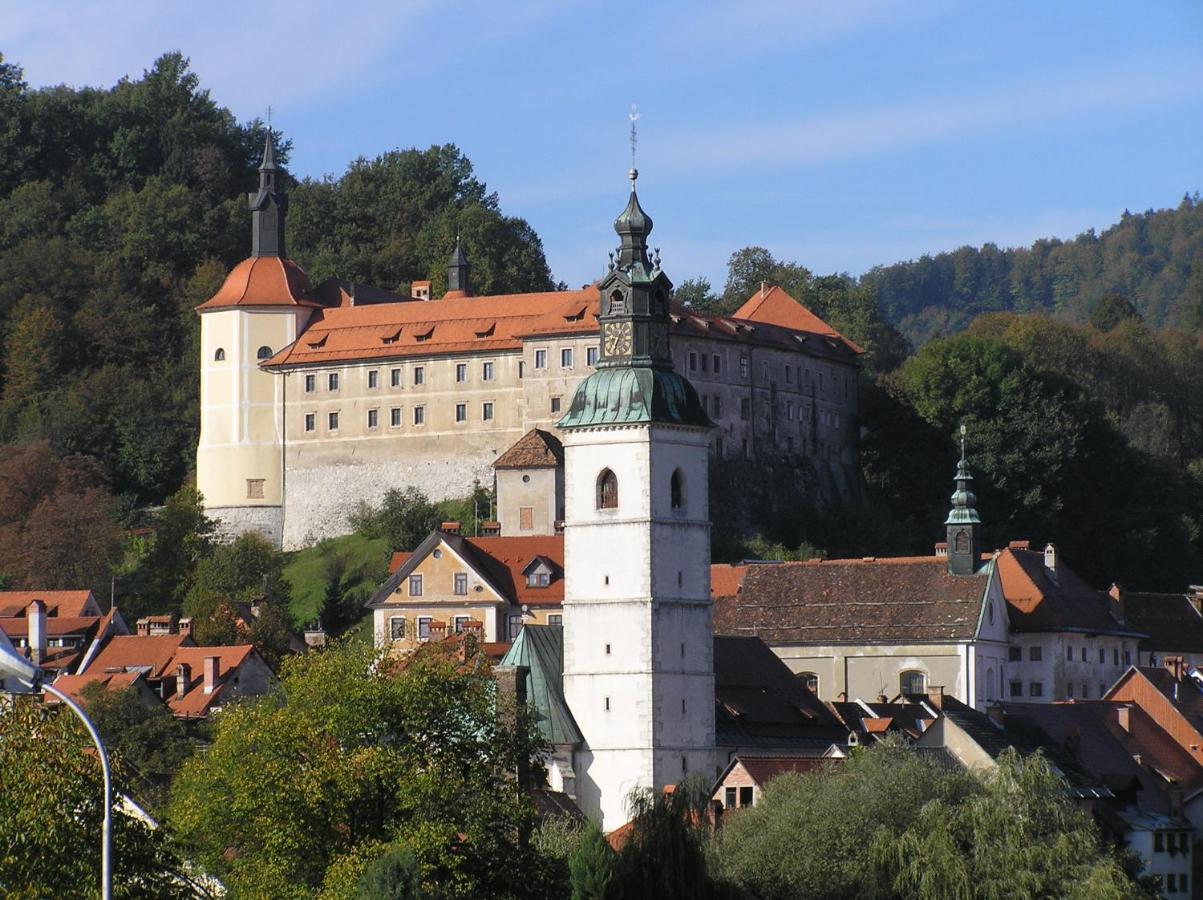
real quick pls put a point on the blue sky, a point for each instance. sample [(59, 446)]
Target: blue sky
[(838, 134)]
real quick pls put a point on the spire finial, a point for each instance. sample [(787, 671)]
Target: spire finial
[(633, 115), (963, 431), (269, 117)]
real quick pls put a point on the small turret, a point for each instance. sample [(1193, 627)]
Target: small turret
[(268, 207), (457, 273), (963, 523)]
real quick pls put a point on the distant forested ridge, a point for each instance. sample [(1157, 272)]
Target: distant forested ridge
[(123, 208), (1153, 259)]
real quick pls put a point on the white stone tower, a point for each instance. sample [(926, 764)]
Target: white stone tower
[(638, 641), (261, 308)]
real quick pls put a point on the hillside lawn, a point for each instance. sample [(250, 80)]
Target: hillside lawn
[(305, 570)]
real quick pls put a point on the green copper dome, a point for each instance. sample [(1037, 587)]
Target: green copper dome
[(633, 395)]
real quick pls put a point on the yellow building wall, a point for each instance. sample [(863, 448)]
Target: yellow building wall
[(241, 406)]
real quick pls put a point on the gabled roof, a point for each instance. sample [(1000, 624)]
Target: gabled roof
[(537, 449), (759, 702), (1040, 600), (73, 685), (774, 306), (128, 652), (195, 703), (263, 281), (540, 648), (889, 600), (499, 561), (1171, 621), (58, 603), (763, 769)]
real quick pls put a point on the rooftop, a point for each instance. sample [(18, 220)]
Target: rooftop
[(263, 281), (537, 449), (1044, 599)]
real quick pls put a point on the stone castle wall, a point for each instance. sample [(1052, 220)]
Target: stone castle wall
[(235, 520)]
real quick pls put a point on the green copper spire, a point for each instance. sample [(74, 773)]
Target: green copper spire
[(963, 523)]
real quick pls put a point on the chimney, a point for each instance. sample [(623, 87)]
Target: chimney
[(420, 290), (36, 623), (935, 696), (1050, 558), (996, 713), (1123, 716), (212, 670), (186, 626), (942, 548), (143, 626), (183, 675), (1116, 593)]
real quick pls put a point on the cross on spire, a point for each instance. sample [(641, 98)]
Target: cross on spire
[(633, 115)]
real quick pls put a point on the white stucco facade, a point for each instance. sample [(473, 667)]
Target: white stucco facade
[(638, 644)]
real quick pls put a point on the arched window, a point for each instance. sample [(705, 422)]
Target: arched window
[(607, 490), (811, 681), (677, 490), (961, 544), (265, 352), (220, 355), (912, 681), (618, 303)]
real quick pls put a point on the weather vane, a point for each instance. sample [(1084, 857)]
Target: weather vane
[(963, 430), (634, 117), (269, 118)]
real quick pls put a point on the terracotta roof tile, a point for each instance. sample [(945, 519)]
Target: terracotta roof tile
[(195, 703), (537, 449), (854, 601), (763, 769), (508, 557), (73, 685), (774, 306), (57, 626), (725, 580), (1039, 601), (58, 603), (131, 651), (263, 281), (398, 559)]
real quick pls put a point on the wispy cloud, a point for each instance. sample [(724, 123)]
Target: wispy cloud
[(907, 124)]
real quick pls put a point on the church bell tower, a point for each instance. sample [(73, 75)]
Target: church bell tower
[(638, 641), (963, 524)]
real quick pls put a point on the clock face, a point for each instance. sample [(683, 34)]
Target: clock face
[(617, 339)]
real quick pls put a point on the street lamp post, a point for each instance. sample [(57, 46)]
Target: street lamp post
[(32, 677)]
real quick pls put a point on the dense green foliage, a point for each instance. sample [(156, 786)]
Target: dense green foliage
[(352, 751), (406, 517), (892, 823), (1153, 259), (122, 209), (51, 806)]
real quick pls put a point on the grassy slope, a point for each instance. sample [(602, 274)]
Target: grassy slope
[(305, 571)]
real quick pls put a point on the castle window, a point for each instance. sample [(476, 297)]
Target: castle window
[(486, 371), (1036, 689), (419, 374), (310, 384), (717, 364), (461, 583), (254, 488), (591, 356), (373, 378), (607, 490), (811, 681), (1016, 688), (419, 415), (310, 422), (1035, 654), (395, 378), (394, 417), (745, 408), (332, 422), (540, 359), (461, 373), (789, 374), (486, 411), (566, 358), (264, 352), (415, 585), (743, 368), (705, 361), (1015, 654), (220, 355), (521, 369), (461, 412), (912, 681), (396, 628), (716, 404), (373, 418), (693, 361), (555, 404), (676, 490)]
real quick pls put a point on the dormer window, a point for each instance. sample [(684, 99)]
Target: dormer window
[(538, 578), (392, 337)]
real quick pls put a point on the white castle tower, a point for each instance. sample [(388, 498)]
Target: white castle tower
[(263, 305), (638, 642)]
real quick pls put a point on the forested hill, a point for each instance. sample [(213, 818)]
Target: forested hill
[(1153, 259), (123, 208)]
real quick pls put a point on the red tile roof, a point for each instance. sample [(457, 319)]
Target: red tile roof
[(725, 580), (124, 652), (57, 626), (537, 449), (195, 703), (400, 558), (773, 305), (263, 281), (73, 685), (763, 769), (899, 599), (58, 603), (505, 558), (1038, 600)]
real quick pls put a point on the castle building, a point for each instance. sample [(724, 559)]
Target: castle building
[(314, 399), (638, 643)]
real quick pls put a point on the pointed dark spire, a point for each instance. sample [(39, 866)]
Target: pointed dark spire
[(457, 271), (633, 226), (268, 206), (963, 523)]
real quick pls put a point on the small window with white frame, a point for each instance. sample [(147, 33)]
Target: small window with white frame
[(332, 381), (591, 356), (810, 680), (310, 422), (461, 583), (486, 411), (415, 585), (566, 358), (912, 682), (486, 371), (419, 375), (332, 421), (419, 415), (373, 419), (394, 417), (423, 628), (394, 378), (310, 383), (540, 359), (396, 628), (461, 373), (461, 412), (373, 379)]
